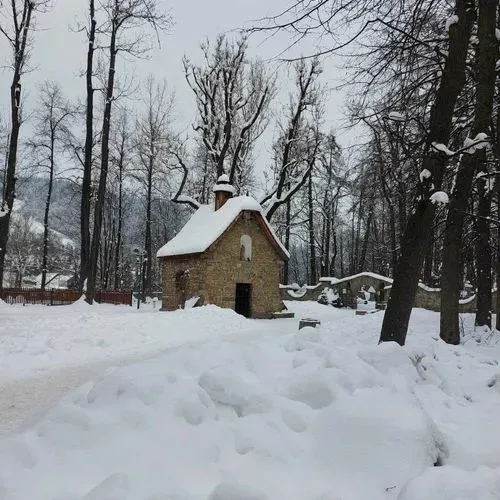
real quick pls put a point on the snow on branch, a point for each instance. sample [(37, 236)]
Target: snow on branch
[(179, 197), (442, 148), (479, 142), (439, 198)]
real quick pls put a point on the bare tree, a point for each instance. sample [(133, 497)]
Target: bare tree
[(416, 238), (17, 31), (154, 142), (121, 146), (472, 161), (123, 17), (86, 189), (51, 128), (293, 169), (232, 95)]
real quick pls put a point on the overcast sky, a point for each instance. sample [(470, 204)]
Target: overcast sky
[(59, 54)]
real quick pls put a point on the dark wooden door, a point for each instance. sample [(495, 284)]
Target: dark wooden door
[(242, 304)]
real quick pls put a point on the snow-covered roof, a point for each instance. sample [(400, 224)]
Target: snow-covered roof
[(206, 226)]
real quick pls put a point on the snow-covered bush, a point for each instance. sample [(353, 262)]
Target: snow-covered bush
[(330, 297)]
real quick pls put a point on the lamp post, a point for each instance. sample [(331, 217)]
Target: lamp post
[(140, 260)]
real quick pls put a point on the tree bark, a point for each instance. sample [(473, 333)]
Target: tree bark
[(470, 163), (19, 45), (312, 239), (147, 279), (85, 203), (483, 256), (101, 193), (416, 237), (45, 249), (118, 248)]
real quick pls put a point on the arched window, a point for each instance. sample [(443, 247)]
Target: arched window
[(246, 247)]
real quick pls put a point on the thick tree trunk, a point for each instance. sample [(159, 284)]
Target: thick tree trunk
[(470, 163), (497, 263), (483, 256), (118, 248), (45, 249), (417, 233), (101, 193), (85, 203), (22, 31)]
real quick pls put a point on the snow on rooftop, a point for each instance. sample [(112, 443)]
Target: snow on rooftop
[(224, 187), (223, 178), (207, 225)]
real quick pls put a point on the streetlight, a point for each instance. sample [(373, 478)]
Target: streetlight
[(140, 260)]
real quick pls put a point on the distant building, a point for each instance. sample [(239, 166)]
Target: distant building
[(228, 255)]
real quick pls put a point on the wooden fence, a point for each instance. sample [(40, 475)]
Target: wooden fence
[(56, 297)]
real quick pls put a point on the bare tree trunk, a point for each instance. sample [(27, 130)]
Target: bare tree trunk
[(45, 249), (147, 278), (364, 248), (118, 248), (101, 193), (469, 165), (288, 218), (497, 263), (85, 204), (20, 41), (312, 240), (429, 260), (483, 256), (417, 233)]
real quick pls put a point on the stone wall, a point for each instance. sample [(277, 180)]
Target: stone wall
[(310, 292), (426, 297), (213, 275), (263, 271), (174, 294)]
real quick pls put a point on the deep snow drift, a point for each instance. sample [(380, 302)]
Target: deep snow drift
[(319, 414)]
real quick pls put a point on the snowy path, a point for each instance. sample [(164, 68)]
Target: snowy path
[(22, 400), (39, 366), (230, 408)]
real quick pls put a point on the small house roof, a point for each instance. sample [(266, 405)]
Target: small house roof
[(207, 225)]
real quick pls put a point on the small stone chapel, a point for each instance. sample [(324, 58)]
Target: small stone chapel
[(228, 255)]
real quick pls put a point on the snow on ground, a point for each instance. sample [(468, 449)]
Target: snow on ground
[(255, 410)]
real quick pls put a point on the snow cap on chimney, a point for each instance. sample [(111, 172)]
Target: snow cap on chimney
[(223, 191)]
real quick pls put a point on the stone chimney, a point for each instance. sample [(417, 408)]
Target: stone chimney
[(223, 191)]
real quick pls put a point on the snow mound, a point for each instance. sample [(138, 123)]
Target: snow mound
[(315, 414), (234, 491)]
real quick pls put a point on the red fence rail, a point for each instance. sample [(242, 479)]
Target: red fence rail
[(55, 297)]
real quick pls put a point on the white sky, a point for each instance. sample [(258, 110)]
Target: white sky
[(59, 54)]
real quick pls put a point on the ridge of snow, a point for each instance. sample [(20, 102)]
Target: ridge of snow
[(471, 145), (334, 281), (206, 225), (396, 116), (442, 148)]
